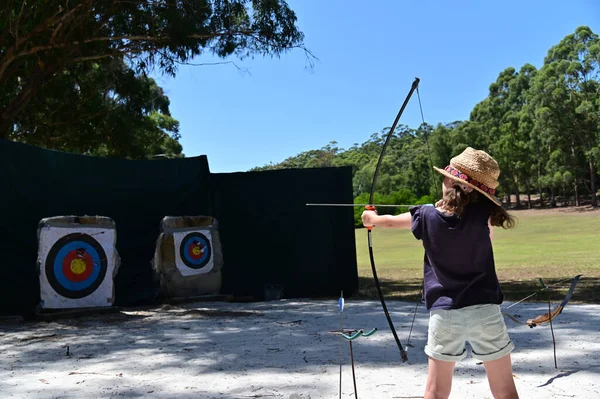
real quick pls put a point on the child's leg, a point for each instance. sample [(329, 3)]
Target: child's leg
[(500, 378), (439, 379), (445, 346)]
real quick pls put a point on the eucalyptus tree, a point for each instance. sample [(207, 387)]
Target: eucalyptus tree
[(52, 51)]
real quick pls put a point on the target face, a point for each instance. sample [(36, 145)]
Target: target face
[(76, 265), (195, 250)]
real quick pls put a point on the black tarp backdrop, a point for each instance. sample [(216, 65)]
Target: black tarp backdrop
[(269, 235), (37, 183)]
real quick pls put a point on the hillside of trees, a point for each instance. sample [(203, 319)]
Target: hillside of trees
[(541, 125)]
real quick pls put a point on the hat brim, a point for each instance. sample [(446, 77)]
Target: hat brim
[(461, 181)]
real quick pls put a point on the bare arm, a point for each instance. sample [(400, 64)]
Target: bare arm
[(402, 221), (491, 230)]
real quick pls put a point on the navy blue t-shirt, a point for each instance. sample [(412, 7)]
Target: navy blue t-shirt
[(459, 265)]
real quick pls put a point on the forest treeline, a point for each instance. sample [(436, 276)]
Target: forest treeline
[(541, 125)]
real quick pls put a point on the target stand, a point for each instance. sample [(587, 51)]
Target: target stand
[(188, 260), (350, 335), (77, 262)]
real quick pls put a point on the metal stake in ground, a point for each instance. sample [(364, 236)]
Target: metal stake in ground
[(341, 307)]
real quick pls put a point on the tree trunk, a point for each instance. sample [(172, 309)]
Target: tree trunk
[(552, 198), (540, 187), (528, 189), (575, 188), (593, 177)]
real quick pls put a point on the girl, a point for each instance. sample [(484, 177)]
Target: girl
[(461, 289)]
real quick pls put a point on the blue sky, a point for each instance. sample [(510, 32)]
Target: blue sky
[(368, 58)]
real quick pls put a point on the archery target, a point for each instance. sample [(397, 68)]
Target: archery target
[(193, 252), (74, 265)]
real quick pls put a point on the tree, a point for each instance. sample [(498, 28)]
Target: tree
[(101, 108), (511, 148), (566, 93), (40, 40), (322, 158), (440, 143)]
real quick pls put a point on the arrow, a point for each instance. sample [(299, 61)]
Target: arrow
[(361, 205)]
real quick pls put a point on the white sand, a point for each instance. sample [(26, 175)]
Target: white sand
[(276, 350)]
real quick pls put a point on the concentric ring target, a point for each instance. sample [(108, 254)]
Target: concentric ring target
[(76, 265), (195, 250)]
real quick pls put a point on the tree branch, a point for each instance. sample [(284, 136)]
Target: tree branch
[(12, 52), (19, 21), (242, 71), (12, 55), (102, 112)]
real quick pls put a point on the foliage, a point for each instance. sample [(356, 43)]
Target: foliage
[(104, 109), (70, 70)]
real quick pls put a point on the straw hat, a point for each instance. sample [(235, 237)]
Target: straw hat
[(475, 169)]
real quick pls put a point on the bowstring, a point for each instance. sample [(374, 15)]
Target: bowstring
[(424, 125), (425, 133), (538, 291)]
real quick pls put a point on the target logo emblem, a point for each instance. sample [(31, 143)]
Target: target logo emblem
[(76, 265), (195, 250)]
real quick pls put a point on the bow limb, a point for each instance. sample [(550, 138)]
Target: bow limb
[(551, 315), (403, 353)]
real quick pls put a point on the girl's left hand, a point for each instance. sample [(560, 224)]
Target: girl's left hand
[(368, 218)]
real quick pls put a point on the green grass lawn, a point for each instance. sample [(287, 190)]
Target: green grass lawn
[(552, 244)]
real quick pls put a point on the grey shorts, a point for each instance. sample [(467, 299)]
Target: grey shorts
[(481, 325)]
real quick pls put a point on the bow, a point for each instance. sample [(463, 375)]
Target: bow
[(403, 353), (551, 315)]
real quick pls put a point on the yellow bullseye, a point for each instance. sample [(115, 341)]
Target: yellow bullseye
[(78, 266), (196, 251)]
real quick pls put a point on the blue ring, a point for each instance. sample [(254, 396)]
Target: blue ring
[(58, 264), (188, 242)]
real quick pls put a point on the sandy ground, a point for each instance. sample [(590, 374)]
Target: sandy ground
[(278, 349)]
